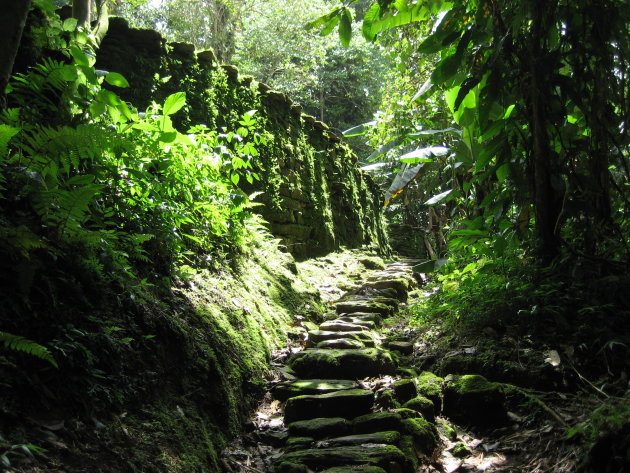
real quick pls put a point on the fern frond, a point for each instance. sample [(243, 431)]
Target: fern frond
[(18, 343)]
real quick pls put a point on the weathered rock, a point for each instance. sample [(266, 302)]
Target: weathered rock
[(460, 450), (320, 427), (404, 348), (390, 301), (341, 344), (372, 262), (387, 400), (287, 389), (387, 457), (371, 317), (425, 436), (341, 326), (316, 336), (429, 385), (390, 437), (422, 405), (377, 422), (400, 285), (404, 389), (364, 306), (475, 400), (355, 469), (343, 364), (298, 443), (367, 324), (348, 404), (406, 413)]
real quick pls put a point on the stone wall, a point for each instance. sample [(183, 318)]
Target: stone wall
[(315, 197)]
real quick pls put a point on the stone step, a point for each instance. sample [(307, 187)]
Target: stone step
[(316, 336), (387, 457), (343, 364), (390, 300), (368, 324), (341, 326), (348, 404), (363, 316), (355, 469), (287, 389), (320, 427), (341, 344), (348, 307), (391, 437)]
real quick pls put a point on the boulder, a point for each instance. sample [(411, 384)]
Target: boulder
[(402, 347), (404, 390), (472, 399), (425, 435), (348, 404), (422, 405), (343, 364), (429, 385)]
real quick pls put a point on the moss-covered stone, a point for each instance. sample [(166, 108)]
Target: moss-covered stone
[(348, 307), (475, 400), (343, 364), (406, 413), (341, 344), (377, 422), (320, 427), (355, 469), (347, 404), (448, 431), (298, 443), (430, 386), (287, 389), (341, 326), (387, 457), (460, 450), (372, 262), (386, 399), (404, 389), (316, 336), (388, 438), (422, 405), (407, 446), (425, 436)]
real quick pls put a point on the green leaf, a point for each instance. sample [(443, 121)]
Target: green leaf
[(234, 177), (502, 172), (70, 24), (359, 129), (116, 79), (80, 57), (424, 155), (430, 266), (436, 199), (6, 133), (174, 102), (345, 27), (446, 68), (108, 97)]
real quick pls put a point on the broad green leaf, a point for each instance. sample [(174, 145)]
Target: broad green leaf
[(430, 266), (376, 21), (116, 79), (108, 97), (502, 172), (424, 155), (359, 129), (436, 199), (70, 24), (446, 68), (174, 103), (426, 87), (345, 27), (69, 73), (80, 57), (6, 133)]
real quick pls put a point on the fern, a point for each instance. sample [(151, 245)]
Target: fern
[(18, 343)]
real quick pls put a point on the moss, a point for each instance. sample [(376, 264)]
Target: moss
[(460, 450), (425, 435), (407, 446), (474, 399), (449, 432), (422, 405), (372, 262), (430, 386)]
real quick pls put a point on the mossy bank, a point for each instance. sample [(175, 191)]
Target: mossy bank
[(151, 385)]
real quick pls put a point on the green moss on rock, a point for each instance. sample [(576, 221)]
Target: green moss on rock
[(475, 400), (424, 433), (422, 405), (430, 386)]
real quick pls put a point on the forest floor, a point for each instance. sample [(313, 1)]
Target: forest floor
[(554, 418)]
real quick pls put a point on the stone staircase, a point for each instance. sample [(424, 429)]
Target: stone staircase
[(335, 423)]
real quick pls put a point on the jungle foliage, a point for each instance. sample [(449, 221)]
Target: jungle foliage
[(537, 136)]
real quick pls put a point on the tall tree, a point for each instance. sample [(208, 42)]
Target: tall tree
[(12, 21)]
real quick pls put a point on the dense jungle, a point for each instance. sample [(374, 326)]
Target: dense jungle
[(356, 236)]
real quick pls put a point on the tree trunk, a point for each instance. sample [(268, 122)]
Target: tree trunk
[(81, 10), (12, 21), (545, 199)]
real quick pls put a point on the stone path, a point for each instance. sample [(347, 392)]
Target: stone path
[(335, 422)]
